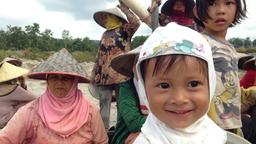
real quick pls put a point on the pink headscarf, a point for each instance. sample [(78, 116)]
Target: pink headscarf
[(64, 115)]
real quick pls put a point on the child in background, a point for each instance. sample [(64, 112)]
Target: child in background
[(179, 11), (177, 74), (216, 16)]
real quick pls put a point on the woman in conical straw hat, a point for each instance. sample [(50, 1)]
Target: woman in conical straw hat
[(17, 62), (12, 95), (115, 40), (62, 114)]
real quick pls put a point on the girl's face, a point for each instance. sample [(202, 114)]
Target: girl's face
[(180, 96), (179, 6), (222, 13), (60, 85)]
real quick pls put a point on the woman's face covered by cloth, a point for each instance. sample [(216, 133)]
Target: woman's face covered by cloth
[(60, 85)]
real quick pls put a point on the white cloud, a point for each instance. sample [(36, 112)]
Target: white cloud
[(22, 10), (43, 12)]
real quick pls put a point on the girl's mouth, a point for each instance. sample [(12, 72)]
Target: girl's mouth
[(220, 21), (183, 112)]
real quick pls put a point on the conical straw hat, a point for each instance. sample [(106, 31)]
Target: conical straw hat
[(114, 11), (123, 63), (9, 72), (61, 62), (13, 61)]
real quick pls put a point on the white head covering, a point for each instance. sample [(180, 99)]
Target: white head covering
[(176, 39)]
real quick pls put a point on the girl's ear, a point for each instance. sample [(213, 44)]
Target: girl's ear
[(195, 12)]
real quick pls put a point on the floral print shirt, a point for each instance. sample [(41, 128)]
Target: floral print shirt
[(113, 43)]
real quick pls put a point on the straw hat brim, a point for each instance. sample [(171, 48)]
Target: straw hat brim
[(250, 64), (9, 72), (123, 63), (13, 61), (61, 63), (114, 11), (43, 76), (6, 89)]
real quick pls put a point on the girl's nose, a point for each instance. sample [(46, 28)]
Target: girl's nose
[(220, 9), (178, 97)]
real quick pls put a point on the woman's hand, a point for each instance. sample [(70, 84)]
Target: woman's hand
[(122, 6)]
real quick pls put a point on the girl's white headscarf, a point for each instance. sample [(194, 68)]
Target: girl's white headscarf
[(176, 39)]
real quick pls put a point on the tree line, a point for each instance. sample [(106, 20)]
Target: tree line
[(15, 38)]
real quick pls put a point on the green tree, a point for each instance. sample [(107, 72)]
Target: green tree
[(247, 43), (46, 40), (16, 38), (3, 40), (90, 45), (254, 43), (237, 42), (33, 34), (66, 38), (77, 45)]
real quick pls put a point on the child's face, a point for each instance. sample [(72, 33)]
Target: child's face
[(180, 96), (179, 6), (222, 13)]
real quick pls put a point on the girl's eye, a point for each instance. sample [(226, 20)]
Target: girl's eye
[(194, 83), (230, 3), (164, 85), (211, 3)]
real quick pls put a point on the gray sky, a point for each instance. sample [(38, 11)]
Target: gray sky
[(77, 17)]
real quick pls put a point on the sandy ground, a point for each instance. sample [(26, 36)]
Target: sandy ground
[(38, 87)]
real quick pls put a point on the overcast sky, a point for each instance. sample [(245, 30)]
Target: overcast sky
[(77, 17)]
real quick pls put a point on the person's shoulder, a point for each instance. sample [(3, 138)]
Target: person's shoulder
[(32, 105), (93, 108), (235, 139), (140, 140)]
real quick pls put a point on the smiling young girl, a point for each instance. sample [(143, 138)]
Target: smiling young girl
[(177, 74)]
